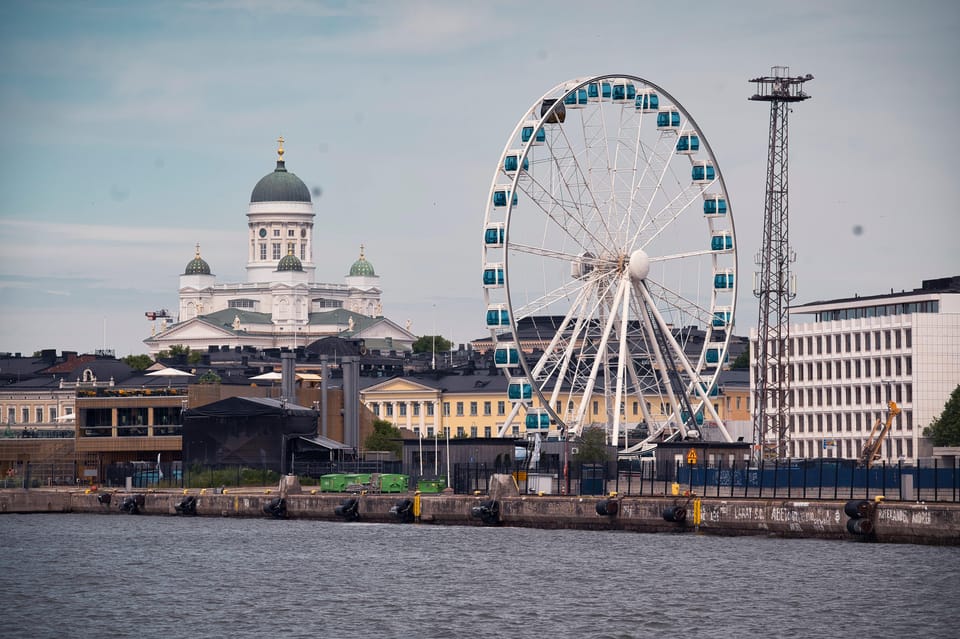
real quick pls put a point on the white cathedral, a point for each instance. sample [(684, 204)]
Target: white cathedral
[(280, 305)]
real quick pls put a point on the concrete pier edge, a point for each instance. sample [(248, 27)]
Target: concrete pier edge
[(890, 521)]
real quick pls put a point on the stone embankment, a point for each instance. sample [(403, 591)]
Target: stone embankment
[(883, 521)]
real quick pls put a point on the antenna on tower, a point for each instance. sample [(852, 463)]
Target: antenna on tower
[(773, 284)]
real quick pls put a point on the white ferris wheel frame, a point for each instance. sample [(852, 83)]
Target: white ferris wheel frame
[(626, 293)]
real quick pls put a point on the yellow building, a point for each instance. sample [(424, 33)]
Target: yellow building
[(477, 405)]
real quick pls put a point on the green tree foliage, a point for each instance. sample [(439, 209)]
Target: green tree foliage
[(179, 349), (945, 429), (383, 436), (592, 446), (425, 344), (209, 377), (138, 362), (742, 362)]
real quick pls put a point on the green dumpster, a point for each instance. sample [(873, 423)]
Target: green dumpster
[(358, 479), (431, 485), (334, 483), (394, 483)]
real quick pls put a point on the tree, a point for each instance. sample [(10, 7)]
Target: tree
[(742, 362), (425, 344), (209, 377), (384, 437), (592, 446), (945, 429), (138, 362)]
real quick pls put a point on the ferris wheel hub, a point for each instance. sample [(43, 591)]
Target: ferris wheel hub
[(639, 266)]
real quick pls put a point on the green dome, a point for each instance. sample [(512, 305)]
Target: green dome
[(197, 266), (362, 267), (290, 262), (280, 186)]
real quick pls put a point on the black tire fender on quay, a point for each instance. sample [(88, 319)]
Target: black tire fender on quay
[(676, 514)]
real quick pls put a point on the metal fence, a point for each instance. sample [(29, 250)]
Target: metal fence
[(930, 480), (813, 479)]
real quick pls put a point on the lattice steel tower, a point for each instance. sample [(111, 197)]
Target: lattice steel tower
[(773, 284)]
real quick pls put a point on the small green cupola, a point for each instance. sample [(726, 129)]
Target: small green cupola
[(197, 266), (289, 262), (362, 268)]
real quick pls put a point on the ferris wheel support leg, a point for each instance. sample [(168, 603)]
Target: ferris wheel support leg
[(509, 420), (591, 382), (621, 365), (686, 365), (661, 362)]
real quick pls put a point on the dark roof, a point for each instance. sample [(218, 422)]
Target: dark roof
[(280, 186), (248, 406), (939, 285)]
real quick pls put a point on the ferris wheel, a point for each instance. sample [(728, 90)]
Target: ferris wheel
[(609, 264)]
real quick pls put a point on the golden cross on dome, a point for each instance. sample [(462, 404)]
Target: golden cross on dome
[(280, 147), (198, 250), (361, 252)]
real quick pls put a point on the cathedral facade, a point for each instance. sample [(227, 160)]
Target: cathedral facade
[(280, 305)]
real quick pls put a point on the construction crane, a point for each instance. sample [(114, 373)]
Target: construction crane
[(871, 449)]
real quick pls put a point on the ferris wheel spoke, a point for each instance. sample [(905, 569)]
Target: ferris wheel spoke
[(688, 307), (562, 256)]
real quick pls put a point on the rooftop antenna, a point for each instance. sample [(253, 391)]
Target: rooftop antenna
[(773, 284)]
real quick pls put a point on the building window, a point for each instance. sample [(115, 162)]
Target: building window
[(276, 250), (25, 414), (291, 233), (473, 409), (473, 431), (596, 407), (459, 409), (303, 252), (291, 248), (263, 251), (446, 409), (276, 232), (636, 408), (430, 409), (389, 408), (403, 409), (460, 432), (376, 409), (39, 414), (501, 408), (52, 411), (515, 430), (487, 408), (487, 431)]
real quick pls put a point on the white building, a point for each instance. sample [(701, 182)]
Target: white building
[(280, 304), (859, 353)]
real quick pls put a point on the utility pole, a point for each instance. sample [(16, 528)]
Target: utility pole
[(773, 284)]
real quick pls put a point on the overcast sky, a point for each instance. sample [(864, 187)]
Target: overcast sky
[(133, 131)]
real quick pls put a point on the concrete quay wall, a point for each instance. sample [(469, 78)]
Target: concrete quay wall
[(901, 522)]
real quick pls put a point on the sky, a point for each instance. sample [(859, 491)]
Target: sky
[(133, 131)]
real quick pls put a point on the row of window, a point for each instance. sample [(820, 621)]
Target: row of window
[(854, 369), (854, 421), (894, 448), (37, 412), (880, 310), (474, 431), (291, 232), (858, 395), (474, 407), (858, 342), (276, 252)]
